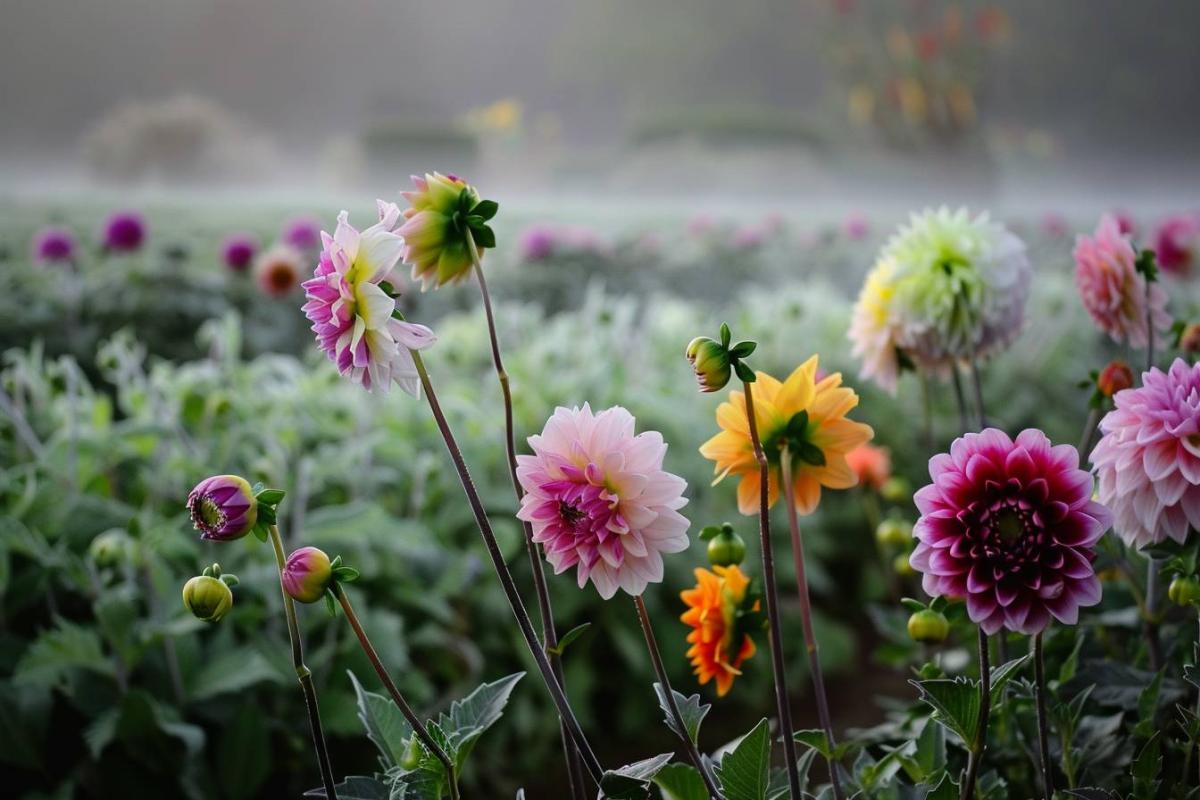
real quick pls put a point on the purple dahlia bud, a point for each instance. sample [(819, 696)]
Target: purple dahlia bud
[(124, 232), (307, 575), (223, 508), (208, 598)]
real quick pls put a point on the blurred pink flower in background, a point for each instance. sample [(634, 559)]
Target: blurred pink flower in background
[(303, 233), (856, 227), (53, 245), (124, 232), (1054, 224), (543, 241), (1175, 243), (277, 270), (1124, 220), (1112, 290), (748, 237), (701, 225), (238, 251), (537, 243)]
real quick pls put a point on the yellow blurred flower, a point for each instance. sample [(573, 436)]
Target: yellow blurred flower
[(913, 100), (818, 451), (861, 104), (714, 607)]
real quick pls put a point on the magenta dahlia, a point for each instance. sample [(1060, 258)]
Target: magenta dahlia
[(1010, 526), (599, 499), (1148, 459)]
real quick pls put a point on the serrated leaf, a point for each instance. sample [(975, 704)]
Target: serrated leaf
[(568, 637), (58, 651), (690, 708), (632, 781), (355, 787), (931, 749), (1148, 707), (955, 704), (474, 714), (815, 739), (1002, 674), (385, 725), (944, 789), (680, 782), (743, 772)]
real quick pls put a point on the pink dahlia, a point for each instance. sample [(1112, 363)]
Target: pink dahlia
[(238, 251), (1111, 288), (1148, 459), (353, 316), (1176, 242), (598, 498), (1010, 526), (302, 233)]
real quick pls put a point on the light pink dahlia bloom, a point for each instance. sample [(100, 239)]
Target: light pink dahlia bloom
[(1148, 459), (1112, 289), (1010, 525), (351, 313), (598, 499)]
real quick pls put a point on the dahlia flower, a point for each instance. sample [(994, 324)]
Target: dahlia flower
[(1176, 241), (537, 243), (53, 245), (872, 465), (302, 233), (599, 499), (856, 227), (947, 286), (437, 225), (124, 232), (353, 317), (1010, 525), (1115, 377), (1112, 290), (307, 574), (238, 251), (818, 451), (720, 645), (1148, 458), (223, 508), (277, 270)]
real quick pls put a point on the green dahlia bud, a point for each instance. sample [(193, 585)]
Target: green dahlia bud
[(208, 598), (1184, 591), (307, 574), (896, 490), (902, 567), (893, 532), (928, 626), (110, 548), (726, 549), (710, 360)]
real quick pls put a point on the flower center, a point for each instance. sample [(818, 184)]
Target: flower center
[(1009, 524), (571, 515), (209, 514)]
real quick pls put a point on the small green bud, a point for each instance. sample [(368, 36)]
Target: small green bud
[(893, 532), (208, 598), (110, 548), (896, 490), (727, 548), (1184, 591), (711, 362), (902, 567), (928, 626), (412, 754)]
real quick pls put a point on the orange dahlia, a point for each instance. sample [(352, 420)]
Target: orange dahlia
[(803, 415), (720, 609)]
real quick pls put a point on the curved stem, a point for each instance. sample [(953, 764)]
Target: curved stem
[(303, 674), (1039, 673), (985, 700), (656, 659), (810, 636), (549, 635), (964, 419), (1149, 329), (590, 761), (771, 591)]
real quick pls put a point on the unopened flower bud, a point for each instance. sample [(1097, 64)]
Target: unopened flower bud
[(1184, 591), (710, 360), (1189, 340), (110, 548), (896, 489), (726, 549), (307, 575), (893, 532), (223, 508), (928, 626), (902, 567), (1116, 377), (208, 598)]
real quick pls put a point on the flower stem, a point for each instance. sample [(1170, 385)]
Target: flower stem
[(975, 757), (1089, 433), (977, 381), (549, 635), (506, 580), (810, 636), (417, 725), (1149, 328), (964, 419), (303, 674), (1039, 672), (710, 783), (772, 597), (1153, 596), (927, 411)]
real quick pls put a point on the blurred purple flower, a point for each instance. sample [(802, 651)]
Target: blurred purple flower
[(1054, 224), (238, 251), (856, 227), (537, 243), (53, 245), (303, 233), (748, 237), (124, 232), (1175, 243)]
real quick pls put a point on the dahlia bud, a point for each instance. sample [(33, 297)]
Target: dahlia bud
[(208, 596), (1189, 338), (893, 532), (725, 547), (710, 360), (1114, 378), (307, 575), (1184, 591), (110, 548), (928, 626), (223, 508), (896, 489), (902, 567)]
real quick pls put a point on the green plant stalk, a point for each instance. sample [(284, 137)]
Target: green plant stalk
[(977, 382), (927, 432), (771, 592), (810, 636), (1089, 433), (1039, 672), (549, 635), (303, 674), (1153, 597), (964, 419), (693, 753), (975, 756), (591, 763), (417, 725)]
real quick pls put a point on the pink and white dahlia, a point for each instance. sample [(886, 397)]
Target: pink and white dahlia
[(353, 316), (1177, 242), (599, 499), (1010, 525), (1112, 289), (1148, 459)]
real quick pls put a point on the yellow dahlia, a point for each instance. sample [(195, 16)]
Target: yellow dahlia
[(806, 416), (717, 611)]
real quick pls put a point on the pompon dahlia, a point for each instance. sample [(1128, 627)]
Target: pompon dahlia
[(947, 286), (599, 500), (1010, 526), (352, 315), (1112, 290), (818, 451), (124, 232), (1148, 458), (436, 228), (238, 251), (720, 642)]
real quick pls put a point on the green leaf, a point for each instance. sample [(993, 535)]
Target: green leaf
[(632, 781), (57, 652), (567, 638), (260, 530), (266, 516), (1091, 793), (815, 739), (709, 531), (912, 605), (742, 349), (1146, 768), (743, 772), (680, 782), (943, 789), (231, 672), (1148, 707), (385, 725), (355, 787), (955, 705), (931, 749), (797, 426), (486, 208), (690, 708), (485, 237), (271, 497), (744, 373), (244, 753), (474, 714), (346, 574), (1003, 674), (809, 453), (726, 335), (1070, 664)]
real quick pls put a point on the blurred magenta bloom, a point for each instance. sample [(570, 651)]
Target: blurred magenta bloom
[(303, 233), (1011, 527), (1111, 288), (306, 574), (124, 232), (599, 500), (856, 227), (1148, 459), (53, 245), (748, 237), (1175, 243), (353, 316), (277, 270), (1125, 221), (238, 251), (537, 243), (1054, 224), (223, 508), (701, 225)]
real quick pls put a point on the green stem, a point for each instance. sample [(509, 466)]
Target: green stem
[(964, 419), (417, 725), (927, 432), (810, 636), (1039, 672), (771, 591), (977, 382), (591, 763), (975, 757), (1089, 433), (303, 674), (1153, 597)]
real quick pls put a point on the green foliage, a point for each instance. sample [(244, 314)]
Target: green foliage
[(690, 709), (744, 771)]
